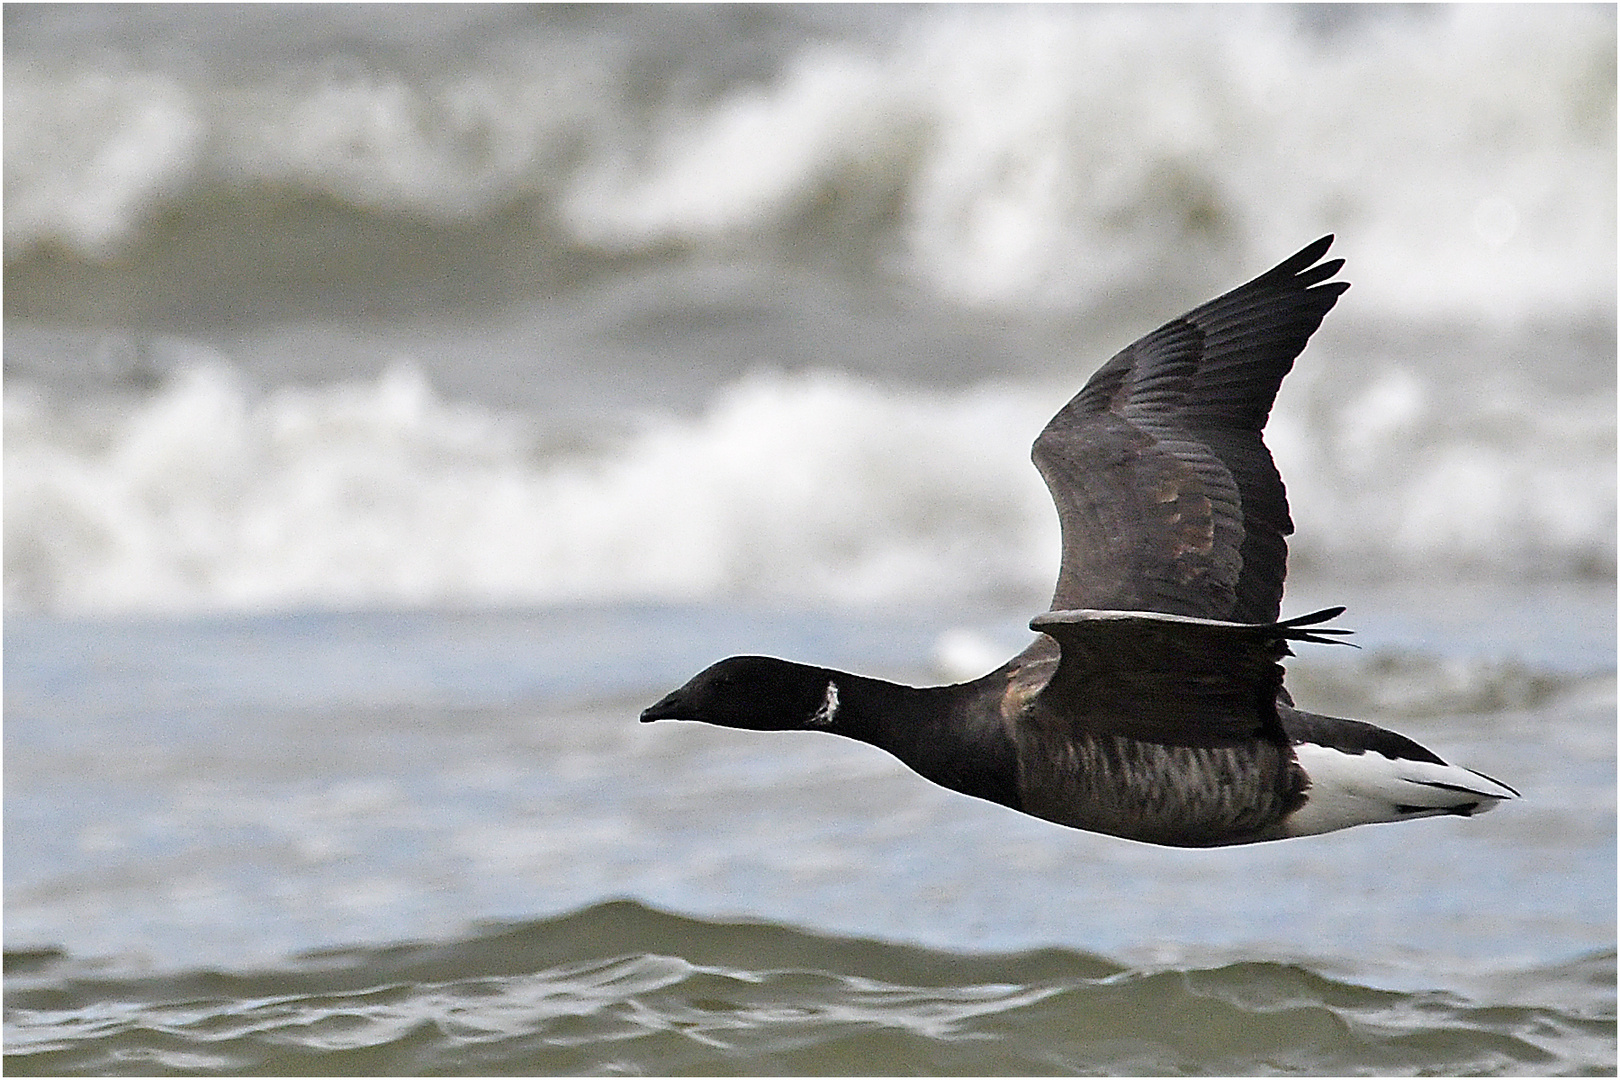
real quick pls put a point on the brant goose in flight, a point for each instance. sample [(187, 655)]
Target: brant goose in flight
[(1152, 705)]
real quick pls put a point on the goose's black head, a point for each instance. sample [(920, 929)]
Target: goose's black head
[(757, 693)]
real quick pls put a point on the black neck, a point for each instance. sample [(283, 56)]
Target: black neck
[(934, 730)]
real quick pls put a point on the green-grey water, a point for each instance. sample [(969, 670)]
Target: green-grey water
[(622, 989)]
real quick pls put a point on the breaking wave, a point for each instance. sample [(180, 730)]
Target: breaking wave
[(817, 487), (1003, 156)]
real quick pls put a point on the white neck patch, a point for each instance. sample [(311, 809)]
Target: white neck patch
[(829, 707)]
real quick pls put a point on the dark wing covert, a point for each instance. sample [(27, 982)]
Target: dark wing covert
[(1173, 679)]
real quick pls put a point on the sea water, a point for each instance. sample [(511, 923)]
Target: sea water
[(399, 399)]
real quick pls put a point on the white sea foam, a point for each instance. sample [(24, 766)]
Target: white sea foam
[(91, 155), (815, 487), (1485, 482), (206, 496)]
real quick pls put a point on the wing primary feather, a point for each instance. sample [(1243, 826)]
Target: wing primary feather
[(1294, 629)]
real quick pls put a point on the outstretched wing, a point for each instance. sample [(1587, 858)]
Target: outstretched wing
[(1172, 679), (1168, 497)]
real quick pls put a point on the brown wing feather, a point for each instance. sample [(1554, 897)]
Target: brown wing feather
[(1168, 498)]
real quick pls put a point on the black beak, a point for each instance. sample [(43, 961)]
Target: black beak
[(666, 709)]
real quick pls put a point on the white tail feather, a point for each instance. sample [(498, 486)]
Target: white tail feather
[(1361, 789)]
